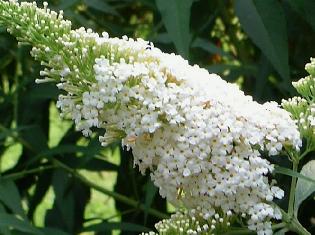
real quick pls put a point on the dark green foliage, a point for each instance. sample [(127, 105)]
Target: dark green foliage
[(262, 45), (133, 185)]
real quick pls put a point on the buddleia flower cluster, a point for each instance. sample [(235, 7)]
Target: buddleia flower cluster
[(302, 107), (200, 138), (193, 223)]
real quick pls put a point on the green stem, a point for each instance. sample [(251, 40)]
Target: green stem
[(293, 224), (117, 196), (291, 221), (278, 226), (121, 214), (15, 176), (239, 232), (298, 228), (307, 151), (295, 163)]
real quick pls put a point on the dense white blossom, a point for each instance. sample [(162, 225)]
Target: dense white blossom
[(200, 137)]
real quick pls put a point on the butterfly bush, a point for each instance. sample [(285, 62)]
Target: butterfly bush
[(302, 108), (192, 223), (200, 137)]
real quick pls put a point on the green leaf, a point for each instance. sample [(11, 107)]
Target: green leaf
[(35, 138), (4, 230), (12, 132), (58, 150), (304, 188), (209, 47), (65, 4), (44, 91), (5, 60), (88, 162), (176, 18), (221, 68), (53, 231), (108, 226), (10, 196), (70, 201), (265, 24), (234, 71), (7, 220), (306, 9), (151, 191), (101, 6), (264, 69), (62, 149), (64, 200), (162, 38), (289, 172), (42, 187)]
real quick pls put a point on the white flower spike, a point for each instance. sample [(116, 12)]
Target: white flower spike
[(200, 137)]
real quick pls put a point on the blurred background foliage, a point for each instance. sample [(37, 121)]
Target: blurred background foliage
[(54, 181)]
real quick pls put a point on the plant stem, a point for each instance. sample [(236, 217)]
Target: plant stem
[(295, 163), (239, 232), (292, 222), (117, 196), (278, 226), (298, 228), (308, 149), (15, 176)]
